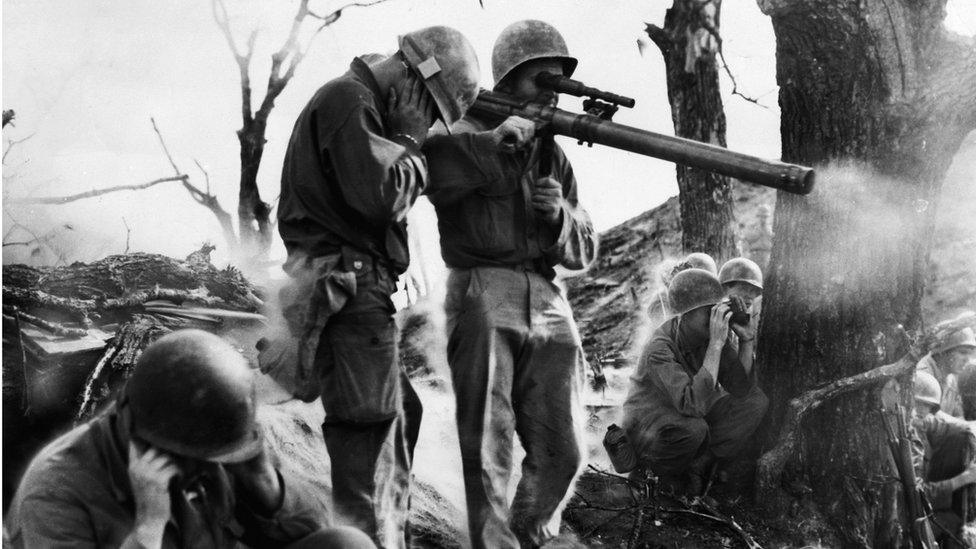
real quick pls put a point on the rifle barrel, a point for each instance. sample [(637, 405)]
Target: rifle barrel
[(791, 178)]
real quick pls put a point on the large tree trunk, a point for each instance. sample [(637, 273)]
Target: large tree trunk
[(881, 91), (689, 43)]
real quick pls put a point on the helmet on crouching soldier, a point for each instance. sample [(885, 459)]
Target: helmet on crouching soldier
[(964, 337), (694, 288), (192, 395), (527, 40), (446, 63), (740, 269), (927, 390), (701, 260)]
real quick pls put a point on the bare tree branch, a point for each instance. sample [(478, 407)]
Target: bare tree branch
[(207, 200), (11, 143), (336, 14), (205, 174), (661, 38), (95, 192), (243, 59)]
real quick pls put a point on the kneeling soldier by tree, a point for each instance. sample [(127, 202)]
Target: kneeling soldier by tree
[(946, 361), (177, 461), (945, 461), (693, 400)]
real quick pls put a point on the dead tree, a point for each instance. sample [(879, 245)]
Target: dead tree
[(690, 44), (878, 95), (253, 214)]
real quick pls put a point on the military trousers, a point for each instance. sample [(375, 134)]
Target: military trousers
[(668, 444), (372, 414), (517, 364), (951, 458)]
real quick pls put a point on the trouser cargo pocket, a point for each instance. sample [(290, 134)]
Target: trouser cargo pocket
[(359, 369)]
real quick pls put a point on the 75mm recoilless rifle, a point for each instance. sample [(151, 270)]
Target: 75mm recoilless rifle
[(596, 126)]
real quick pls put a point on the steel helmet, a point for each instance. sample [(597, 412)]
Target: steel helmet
[(959, 338), (740, 269), (694, 288), (700, 260), (446, 63), (927, 389), (527, 40), (191, 394)]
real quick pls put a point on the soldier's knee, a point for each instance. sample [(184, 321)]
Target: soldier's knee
[(685, 438), (758, 401)]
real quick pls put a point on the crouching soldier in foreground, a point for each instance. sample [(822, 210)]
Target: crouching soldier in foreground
[(693, 400), (945, 456), (177, 461)]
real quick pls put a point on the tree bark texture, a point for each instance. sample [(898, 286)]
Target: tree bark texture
[(877, 96), (690, 44)]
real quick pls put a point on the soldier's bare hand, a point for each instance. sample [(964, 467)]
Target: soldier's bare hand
[(749, 331), (513, 134), (718, 324), (259, 480), (150, 473), (410, 109), (547, 199)]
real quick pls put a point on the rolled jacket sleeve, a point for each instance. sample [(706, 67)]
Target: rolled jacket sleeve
[(379, 178), (576, 245)]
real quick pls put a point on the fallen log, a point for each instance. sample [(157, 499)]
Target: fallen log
[(116, 364), (126, 277)]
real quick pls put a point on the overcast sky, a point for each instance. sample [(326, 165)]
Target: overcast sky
[(85, 76)]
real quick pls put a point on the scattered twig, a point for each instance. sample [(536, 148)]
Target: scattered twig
[(750, 543), (636, 529), (96, 192)]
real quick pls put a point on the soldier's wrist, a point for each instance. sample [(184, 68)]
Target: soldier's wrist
[(149, 530)]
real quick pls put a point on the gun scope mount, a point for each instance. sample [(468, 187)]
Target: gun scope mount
[(562, 84)]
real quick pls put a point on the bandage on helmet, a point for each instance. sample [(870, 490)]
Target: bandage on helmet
[(446, 63)]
